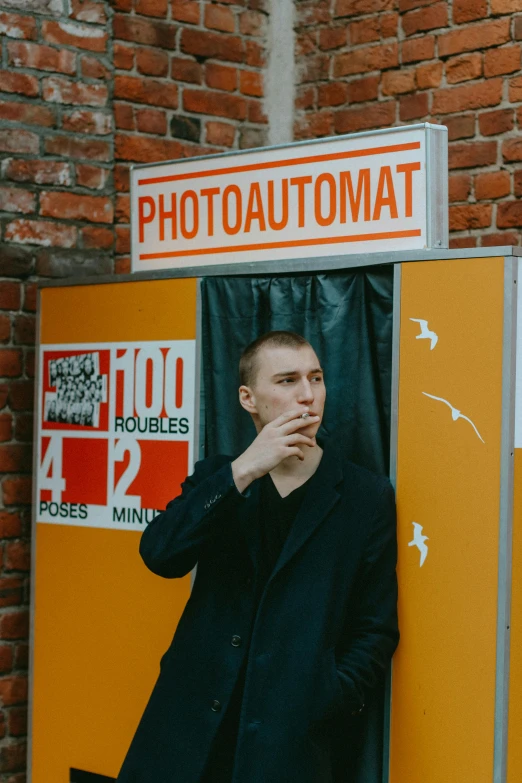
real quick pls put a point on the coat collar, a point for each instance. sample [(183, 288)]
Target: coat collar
[(319, 499)]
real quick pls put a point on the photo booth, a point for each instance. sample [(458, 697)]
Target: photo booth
[(419, 346)]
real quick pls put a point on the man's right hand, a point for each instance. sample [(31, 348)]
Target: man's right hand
[(277, 441)]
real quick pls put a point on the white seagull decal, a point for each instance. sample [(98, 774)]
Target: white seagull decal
[(418, 541), (426, 333), (455, 413)]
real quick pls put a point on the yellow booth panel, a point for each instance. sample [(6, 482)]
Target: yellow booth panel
[(514, 764), (107, 459), (448, 477)]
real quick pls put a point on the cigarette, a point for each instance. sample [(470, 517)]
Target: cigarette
[(305, 415)]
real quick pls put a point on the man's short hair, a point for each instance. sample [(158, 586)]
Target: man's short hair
[(277, 339)]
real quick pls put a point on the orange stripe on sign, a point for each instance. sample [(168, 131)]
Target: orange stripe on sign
[(414, 145), (416, 232)]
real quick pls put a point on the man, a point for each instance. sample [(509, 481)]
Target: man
[(292, 616)]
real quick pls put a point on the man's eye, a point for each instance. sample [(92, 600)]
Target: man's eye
[(318, 378), (287, 380)]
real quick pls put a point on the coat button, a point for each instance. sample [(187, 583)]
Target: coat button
[(216, 706), (236, 641)]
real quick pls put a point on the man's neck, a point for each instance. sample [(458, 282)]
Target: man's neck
[(293, 472)]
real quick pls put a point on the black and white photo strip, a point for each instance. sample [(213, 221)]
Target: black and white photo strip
[(79, 390)]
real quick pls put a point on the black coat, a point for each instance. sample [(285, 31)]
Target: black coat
[(323, 634)]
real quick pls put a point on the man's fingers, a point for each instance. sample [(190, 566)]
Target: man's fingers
[(295, 451), (284, 417), (296, 424), (297, 437)]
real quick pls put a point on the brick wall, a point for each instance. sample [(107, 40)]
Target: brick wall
[(86, 87), (365, 64)]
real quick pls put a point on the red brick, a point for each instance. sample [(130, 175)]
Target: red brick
[(206, 102), (17, 200), (16, 491), (17, 556), (413, 107), (332, 37), (146, 150), (150, 91), (185, 70), (365, 30), (24, 428), (94, 68), (83, 121), (333, 94), (13, 690), (499, 61), (389, 25), (493, 122), (362, 90), (185, 11), (13, 759), (471, 154), (95, 209), (41, 172), (469, 10), (4, 393), (43, 58), (220, 133), (151, 121), (314, 125), (517, 33), (68, 147), (21, 395), (26, 113), (492, 184), (417, 49), (29, 362), (6, 433), (469, 96), (152, 62), (355, 7), (122, 266), (409, 5), (429, 75), (475, 37), (121, 177), (424, 19), (251, 83), (313, 12), (305, 96), (220, 18), (58, 89), (460, 127), (95, 236), (17, 721), (505, 6), (11, 587), (92, 177), (397, 82), (124, 116), (144, 31), (376, 116), (315, 68), (40, 232), (152, 7), (468, 216), (252, 23), (20, 83), (518, 183), (15, 26), (515, 89), (509, 214), (123, 207), (221, 77), (30, 291), (368, 58), (10, 362), (519, 116), (9, 296), (464, 68), (24, 330), (123, 239), (10, 524), (123, 57), (6, 658), (5, 328), (78, 35), (202, 43), (306, 43), (88, 11)]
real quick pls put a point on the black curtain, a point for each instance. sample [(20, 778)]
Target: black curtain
[(346, 316)]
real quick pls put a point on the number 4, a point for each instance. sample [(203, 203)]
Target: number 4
[(51, 469)]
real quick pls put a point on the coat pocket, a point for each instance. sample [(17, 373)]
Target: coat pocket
[(329, 693)]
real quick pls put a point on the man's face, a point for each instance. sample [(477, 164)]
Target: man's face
[(287, 379)]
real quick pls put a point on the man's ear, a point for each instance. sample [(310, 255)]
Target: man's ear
[(247, 399)]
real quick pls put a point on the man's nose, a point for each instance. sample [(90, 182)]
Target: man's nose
[(306, 392)]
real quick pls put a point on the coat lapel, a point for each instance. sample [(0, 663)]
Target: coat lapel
[(318, 501)]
